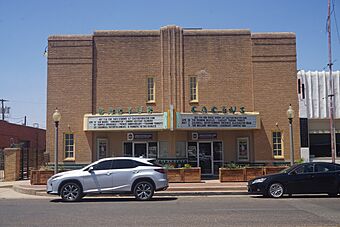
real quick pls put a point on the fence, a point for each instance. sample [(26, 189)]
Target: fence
[(2, 164)]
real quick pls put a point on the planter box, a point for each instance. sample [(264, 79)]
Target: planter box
[(273, 169), (191, 175), (40, 177), (174, 175), (184, 175), (227, 175), (253, 172)]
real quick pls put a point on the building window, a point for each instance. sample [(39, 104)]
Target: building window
[(163, 149), (151, 89), (181, 149), (69, 145), (193, 89), (277, 144)]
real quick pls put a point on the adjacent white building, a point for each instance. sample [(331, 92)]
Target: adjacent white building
[(313, 93)]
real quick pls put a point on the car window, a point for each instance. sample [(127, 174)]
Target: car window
[(143, 164), (155, 163), (124, 164), (320, 168), (305, 169), (103, 165)]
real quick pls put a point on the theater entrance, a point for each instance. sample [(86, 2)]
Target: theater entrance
[(207, 155)]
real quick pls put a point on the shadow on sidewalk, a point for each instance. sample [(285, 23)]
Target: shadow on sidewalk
[(93, 199)]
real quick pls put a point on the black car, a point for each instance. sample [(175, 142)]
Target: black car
[(306, 178)]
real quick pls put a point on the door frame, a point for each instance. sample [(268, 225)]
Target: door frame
[(211, 156), (212, 152), (140, 142)]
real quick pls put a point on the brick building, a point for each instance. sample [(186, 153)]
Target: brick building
[(205, 97), (31, 140)]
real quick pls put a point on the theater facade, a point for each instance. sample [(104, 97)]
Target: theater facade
[(203, 97)]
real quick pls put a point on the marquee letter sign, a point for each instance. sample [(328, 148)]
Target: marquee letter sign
[(217, 121), (125, 122)]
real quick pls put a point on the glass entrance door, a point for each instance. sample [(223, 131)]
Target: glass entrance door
[(140, 149), (205, 157)]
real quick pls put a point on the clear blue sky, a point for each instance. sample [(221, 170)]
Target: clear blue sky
[(26, 25)]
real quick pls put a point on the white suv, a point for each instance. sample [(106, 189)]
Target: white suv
[(137, 176)]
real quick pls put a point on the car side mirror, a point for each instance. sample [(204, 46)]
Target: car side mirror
[(90, 169), (293, 173)]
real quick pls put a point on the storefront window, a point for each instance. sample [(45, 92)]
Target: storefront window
[(152, 150), (163, 149), (180, 149), (128, 149)]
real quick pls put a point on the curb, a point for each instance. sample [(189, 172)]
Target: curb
[(6, 186), (39, 192), (23, 190)]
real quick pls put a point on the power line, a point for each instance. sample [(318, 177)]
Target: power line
[(336, 23)]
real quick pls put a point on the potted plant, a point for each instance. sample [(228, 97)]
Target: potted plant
[(173, 174), (191, 174), (252, 172), (40, 176), (231, 172), (274, 169)]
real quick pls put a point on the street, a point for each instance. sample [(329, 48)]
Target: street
[(171, 211)]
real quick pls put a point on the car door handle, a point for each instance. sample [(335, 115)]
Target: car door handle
[(109, 173)]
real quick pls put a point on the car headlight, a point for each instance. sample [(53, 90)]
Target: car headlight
[(260, 180), (55, 177)]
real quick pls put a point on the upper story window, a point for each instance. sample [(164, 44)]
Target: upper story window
[(193, 89), (69, 145), (151, 89), (277, 144)]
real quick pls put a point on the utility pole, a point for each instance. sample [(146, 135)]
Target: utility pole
[(331, 85), (3, 108)]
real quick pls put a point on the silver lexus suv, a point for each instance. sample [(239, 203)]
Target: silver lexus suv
[(137, 176)]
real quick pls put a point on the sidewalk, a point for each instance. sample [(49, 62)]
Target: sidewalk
[(206, 187)]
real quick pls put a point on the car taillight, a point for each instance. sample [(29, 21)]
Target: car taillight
[(160, 170)]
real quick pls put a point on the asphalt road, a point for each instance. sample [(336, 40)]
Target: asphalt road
[(172, 211)]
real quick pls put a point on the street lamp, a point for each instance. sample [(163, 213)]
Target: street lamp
[(56, 118), (290, 115)]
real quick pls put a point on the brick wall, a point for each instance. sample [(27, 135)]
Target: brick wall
[(15, 134), (69, 86), (234, 68), (274, 69), (12, 164)]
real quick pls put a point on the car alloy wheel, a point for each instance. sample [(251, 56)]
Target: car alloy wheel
[(143, 190), (71, 192), (276, 190)]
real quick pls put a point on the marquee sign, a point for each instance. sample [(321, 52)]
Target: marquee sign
[(217, 121), (125, 122)]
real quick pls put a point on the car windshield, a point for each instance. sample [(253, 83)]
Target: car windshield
[(288, 169)]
